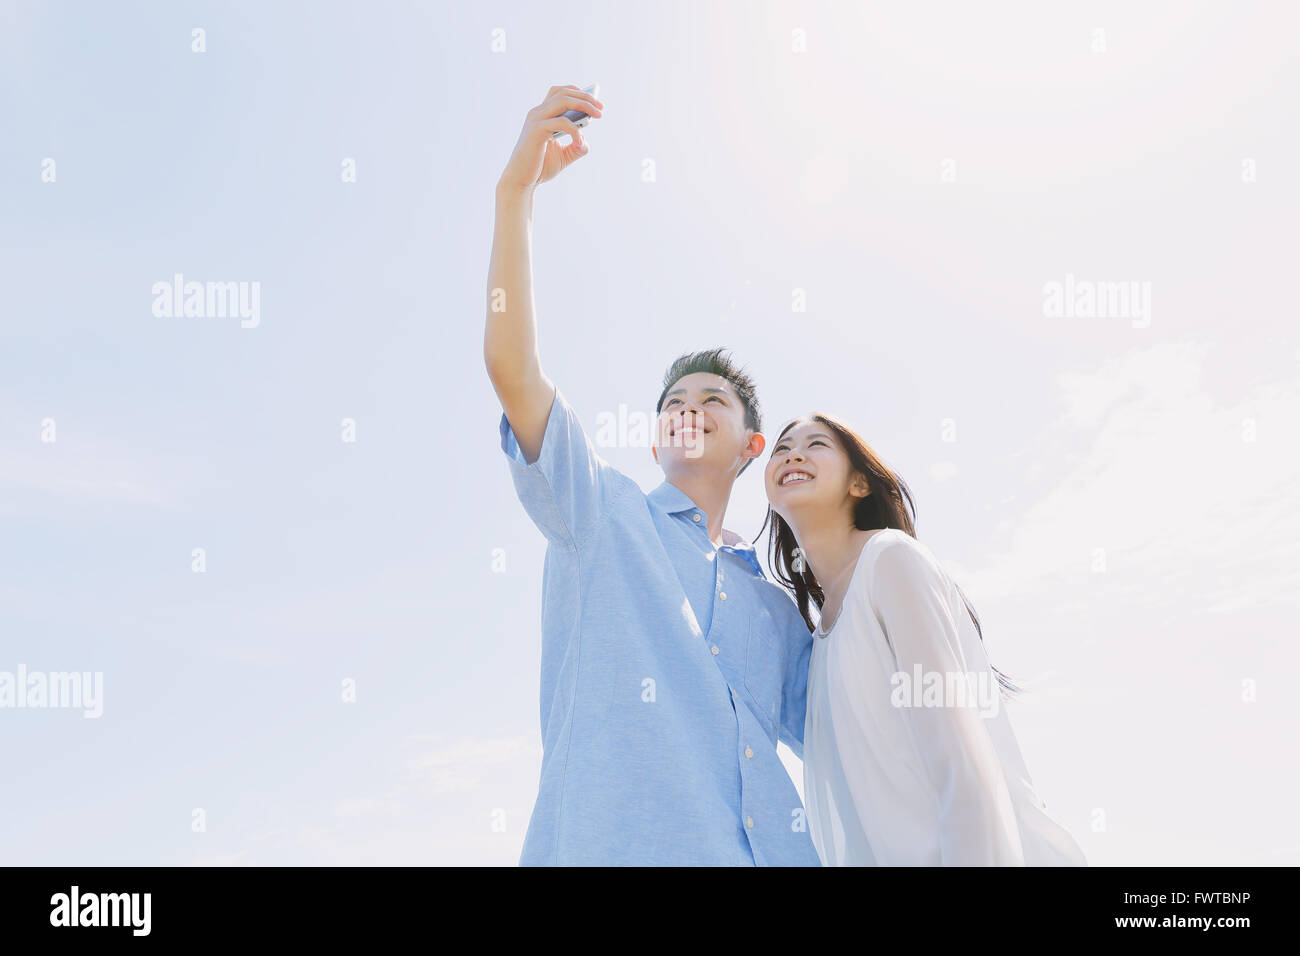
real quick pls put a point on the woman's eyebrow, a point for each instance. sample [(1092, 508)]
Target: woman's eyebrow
[(781, 441)]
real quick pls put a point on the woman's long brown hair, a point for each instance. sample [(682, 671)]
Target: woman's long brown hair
[(889, 505)]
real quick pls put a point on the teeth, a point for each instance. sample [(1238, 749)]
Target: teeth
[(796, 476)]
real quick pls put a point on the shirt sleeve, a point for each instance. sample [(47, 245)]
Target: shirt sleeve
[(794, 688), (566, 491), (977, 822)]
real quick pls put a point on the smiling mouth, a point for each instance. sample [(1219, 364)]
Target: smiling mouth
[(795, 478)]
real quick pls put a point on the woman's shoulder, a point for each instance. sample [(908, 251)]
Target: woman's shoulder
[(894, 552)]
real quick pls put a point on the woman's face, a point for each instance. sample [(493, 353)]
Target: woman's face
[(809, 471)]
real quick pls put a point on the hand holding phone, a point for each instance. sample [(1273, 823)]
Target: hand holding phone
[(578, 117), (537, 157)]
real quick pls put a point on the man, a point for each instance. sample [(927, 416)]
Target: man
[(670, 665)]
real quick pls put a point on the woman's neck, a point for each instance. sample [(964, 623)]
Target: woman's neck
[(831, 550)]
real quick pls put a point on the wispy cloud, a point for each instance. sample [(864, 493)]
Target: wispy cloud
[(82, 468), (1174, 495), (460, 765), (456, 800)]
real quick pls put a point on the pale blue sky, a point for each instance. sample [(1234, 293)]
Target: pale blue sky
[(774, 171)]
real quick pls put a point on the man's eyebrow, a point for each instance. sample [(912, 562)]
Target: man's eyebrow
[(711, 388)]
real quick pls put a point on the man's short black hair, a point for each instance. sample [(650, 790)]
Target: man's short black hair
[(717, 362)]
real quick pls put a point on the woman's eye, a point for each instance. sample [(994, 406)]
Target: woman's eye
[(817, 441), (671, 401)]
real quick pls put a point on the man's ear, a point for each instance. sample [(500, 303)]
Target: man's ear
[(655, 451), (756, 444)]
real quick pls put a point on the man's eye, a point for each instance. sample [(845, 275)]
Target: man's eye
[(713, 398)]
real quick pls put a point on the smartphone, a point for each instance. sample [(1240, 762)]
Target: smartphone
[(578, 117)]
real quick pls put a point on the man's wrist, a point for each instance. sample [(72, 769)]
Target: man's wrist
[(509, 194)]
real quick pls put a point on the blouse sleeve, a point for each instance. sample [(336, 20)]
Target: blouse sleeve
[(977, 823)]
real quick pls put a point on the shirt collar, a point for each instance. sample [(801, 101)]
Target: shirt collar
[(672, 500), (668, 497), (740, 546)]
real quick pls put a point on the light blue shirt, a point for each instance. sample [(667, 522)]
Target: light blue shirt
[(670, 668)]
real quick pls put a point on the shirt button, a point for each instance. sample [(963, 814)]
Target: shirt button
[(749, 752), (697, 516), (714, 648), (749, 822), (723, 595)]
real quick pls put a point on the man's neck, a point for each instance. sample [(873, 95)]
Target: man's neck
[(710, 496)]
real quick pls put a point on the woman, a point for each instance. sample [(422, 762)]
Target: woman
[(908, 758)]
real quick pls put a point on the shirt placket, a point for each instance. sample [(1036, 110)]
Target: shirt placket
[(720, 616), (744, 737)]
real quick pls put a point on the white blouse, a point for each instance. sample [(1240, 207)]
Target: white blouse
[(893, 785)]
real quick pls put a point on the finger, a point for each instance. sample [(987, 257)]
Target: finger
[(590, 97), (576, 149), (561, 124), (561, 103), (547, 98), (568, 87), (569, 100)]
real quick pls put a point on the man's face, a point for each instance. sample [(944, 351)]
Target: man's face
[(702, 422)]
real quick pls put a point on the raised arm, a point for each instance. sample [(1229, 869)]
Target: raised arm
[(510, 335)]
